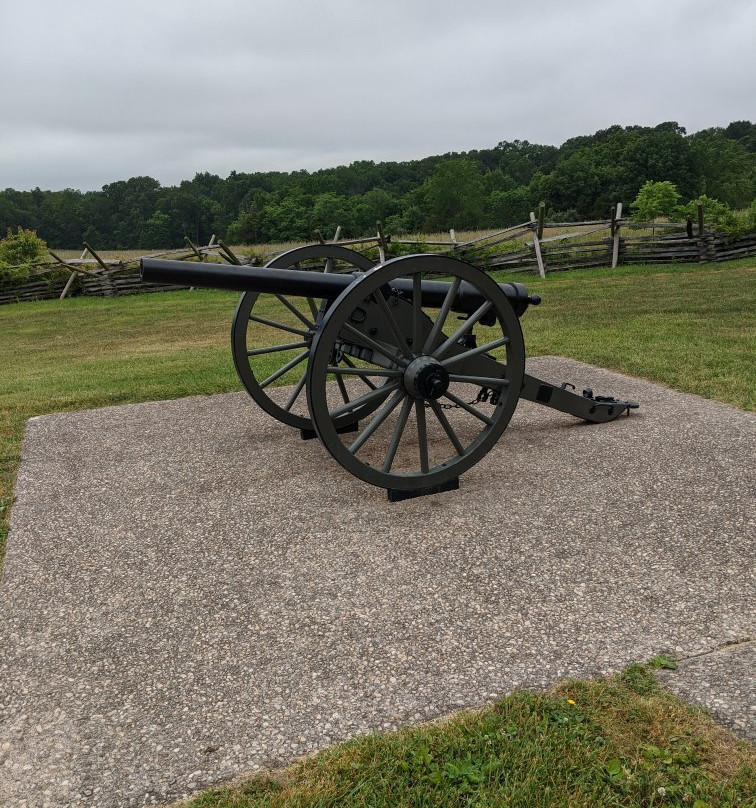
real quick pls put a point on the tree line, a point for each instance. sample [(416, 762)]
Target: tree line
[(486, 188)]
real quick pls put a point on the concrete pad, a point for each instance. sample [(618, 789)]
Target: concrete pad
[(191, 592), (722, 682)]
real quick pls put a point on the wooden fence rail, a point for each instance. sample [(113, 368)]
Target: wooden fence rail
[(525, 247)]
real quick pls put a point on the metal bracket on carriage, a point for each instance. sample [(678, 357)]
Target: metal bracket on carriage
[(597, 409), (610, 402)]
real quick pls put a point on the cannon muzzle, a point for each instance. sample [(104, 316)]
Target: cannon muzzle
[(314, 284)]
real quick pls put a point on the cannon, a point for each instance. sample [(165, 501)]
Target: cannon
[(408, 371)]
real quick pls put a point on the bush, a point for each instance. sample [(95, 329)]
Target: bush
[(654, 199), (18, 251), (22, 248), (720, 216)]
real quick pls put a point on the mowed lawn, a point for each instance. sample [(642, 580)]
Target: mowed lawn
[(618, 742)]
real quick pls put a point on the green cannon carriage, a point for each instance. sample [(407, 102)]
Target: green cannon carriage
[(407, 371)]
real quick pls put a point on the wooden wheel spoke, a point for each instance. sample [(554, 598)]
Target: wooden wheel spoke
[(401, 339), (463, 329), (489, 346), (468, 407), (435, 332), (313, 307), (295, 393), (342, 388), (483, 381), (365, 379), (277, 348), (368, 398), (285, 369), (422, 435), (383, 350), (280, 326), (377, 420), (294, 310), (398, 432), (364, 372), (444, 421)]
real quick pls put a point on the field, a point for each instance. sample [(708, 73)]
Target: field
[(265, 251), (617, 743)]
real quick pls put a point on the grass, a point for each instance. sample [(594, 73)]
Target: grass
[(691, 327), (622, 741), (619, 742)]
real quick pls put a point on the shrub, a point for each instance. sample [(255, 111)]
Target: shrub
[(23, 247), (720, 216), (655, 199)]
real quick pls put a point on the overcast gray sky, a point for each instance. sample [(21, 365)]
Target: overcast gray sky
[(94, 91)]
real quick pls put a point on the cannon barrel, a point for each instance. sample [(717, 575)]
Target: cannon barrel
[(314, 284)]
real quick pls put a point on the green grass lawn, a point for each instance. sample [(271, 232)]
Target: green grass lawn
[(622, 742), (691, 327)]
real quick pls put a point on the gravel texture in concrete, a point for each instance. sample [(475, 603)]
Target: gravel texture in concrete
[(722, 682), (191, 592)]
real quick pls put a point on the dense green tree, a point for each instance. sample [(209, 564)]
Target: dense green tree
[(453, 196), (505, 208), (744, 132), (655, 199), (156, 231), (289, 219), (726, 169), (330, 211)]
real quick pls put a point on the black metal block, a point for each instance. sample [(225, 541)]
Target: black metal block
[(396, 495)]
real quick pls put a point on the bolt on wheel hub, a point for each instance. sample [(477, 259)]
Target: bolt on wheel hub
[(425, 377)]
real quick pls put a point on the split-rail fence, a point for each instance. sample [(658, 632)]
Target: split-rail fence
[(532, 246)]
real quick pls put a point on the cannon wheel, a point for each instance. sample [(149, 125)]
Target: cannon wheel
[(427, 427), (257, 344)]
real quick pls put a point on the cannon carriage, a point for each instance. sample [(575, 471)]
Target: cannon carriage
[(407, 371)]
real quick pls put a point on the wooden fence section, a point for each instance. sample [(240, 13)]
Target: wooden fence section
[(533, 246), (528, 247), (93, 275)]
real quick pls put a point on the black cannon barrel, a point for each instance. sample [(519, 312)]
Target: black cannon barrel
[(313, 284), (245, 278)]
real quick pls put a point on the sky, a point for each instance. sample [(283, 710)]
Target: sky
[(94, 92)]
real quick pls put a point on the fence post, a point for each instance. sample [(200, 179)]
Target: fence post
[(616, 216), (228, 255), (537, 245), (701, 244), (541, 216), (108, 287), (72, 270), (381, 242), (188, 241)]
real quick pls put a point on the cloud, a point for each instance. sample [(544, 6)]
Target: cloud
[(99, 91)]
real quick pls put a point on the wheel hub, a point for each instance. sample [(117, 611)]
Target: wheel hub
[(425, 377)]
